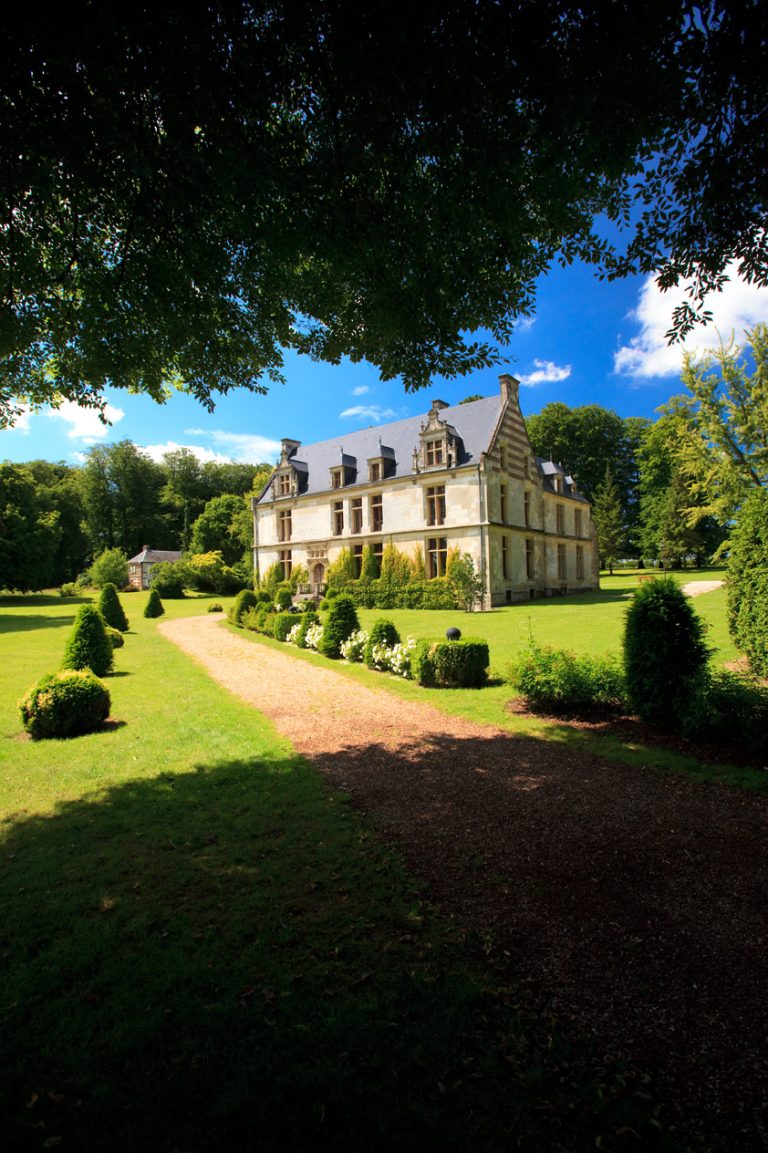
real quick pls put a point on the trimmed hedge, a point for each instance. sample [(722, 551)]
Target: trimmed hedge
[(665, 657), (110, 608), (65, 704), (88, 646), (459, 664), (283, 623)]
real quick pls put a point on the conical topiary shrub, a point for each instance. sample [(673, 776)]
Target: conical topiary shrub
[(342, 622), (111, 609), (154, 605), (88, 646)]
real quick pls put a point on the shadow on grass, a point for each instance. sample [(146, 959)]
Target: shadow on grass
[(41, 600), (26, 623), (229, 960)]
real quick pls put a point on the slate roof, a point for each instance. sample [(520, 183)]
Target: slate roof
[(154, 556), (474, 423)]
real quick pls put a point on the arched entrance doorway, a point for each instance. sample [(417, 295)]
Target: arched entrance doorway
[(318, 578)]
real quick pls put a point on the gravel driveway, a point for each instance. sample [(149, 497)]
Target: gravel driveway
[(635, 900)]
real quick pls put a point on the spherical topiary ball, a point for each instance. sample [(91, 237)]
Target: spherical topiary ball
[(65, 704)]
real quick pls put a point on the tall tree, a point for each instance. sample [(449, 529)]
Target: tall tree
[(184, 490), (58, 494), (721, 425), (191, 189), (121, 487), (29, 535), (587, 440), (609, 521), (218, 528)]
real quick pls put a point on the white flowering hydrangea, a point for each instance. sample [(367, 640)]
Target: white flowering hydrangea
[(293, 635), (394, 658), (353, 648), (312, 637)]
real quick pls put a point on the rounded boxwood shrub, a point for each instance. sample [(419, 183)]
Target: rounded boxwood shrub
[(154, 606), (110, 608), (246, 599), (383, 632), (116, 638), (284, 597), (215, 608), (283, 623), (169, 578), (65, 704), (342, 622), (665, 657), (88, 646)]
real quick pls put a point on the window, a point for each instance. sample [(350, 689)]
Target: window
[(284, 525), (374, 470), (434, 452), (357, 556), (529, 562), (285, 560), (560, 519), (504, 558), (337, 477), (503, 456), (284, 484), (437, 556), (561, 569), (579, 562), (527, 508), (377, 513), (558, 484), (503, 503), (436, 504), (357, 514), (577, 522), (378, 552), (337, 517)]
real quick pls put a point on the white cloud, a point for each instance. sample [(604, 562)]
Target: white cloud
[(21, 423), (158, 451), (545, 372), (372, 413), (737, 307), (360, 390), (84, 422), (242, 447), (524, 324)]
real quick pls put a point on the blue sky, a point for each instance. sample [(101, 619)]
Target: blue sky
[(590, 342)]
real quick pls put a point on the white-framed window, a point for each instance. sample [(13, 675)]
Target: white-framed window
[(376, 509), (436, 504), (356, 515), (437, 556)]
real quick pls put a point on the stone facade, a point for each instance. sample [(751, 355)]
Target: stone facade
[(461, 476)]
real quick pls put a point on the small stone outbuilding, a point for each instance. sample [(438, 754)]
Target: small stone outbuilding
[(140, 566)]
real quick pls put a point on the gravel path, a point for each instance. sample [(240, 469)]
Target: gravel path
[(696, 588), (635, 900)]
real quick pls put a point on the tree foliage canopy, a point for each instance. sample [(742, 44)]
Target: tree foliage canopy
[(192, 189)]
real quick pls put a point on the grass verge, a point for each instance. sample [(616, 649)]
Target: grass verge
[(205, 948)]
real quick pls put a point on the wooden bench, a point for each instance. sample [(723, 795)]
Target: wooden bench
[(645, 576)]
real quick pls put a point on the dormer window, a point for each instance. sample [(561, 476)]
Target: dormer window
[(374, 470), (284, 484), (337, 477), (434, 452)]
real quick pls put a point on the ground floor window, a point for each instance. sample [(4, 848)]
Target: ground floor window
[(579, 562), (530, 568), (286, 562), (357, 553), (504, 558), (562, 572), (378, 552), (437, 556)]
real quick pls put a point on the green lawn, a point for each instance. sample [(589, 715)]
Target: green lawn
[(204, 948)]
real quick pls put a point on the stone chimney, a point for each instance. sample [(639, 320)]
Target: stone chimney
[(510, 388)]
